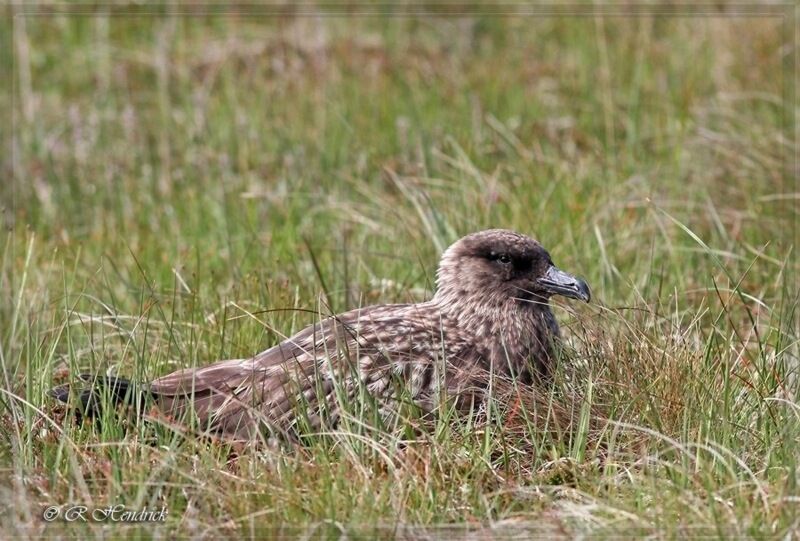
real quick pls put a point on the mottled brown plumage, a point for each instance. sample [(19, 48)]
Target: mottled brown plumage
[(490, 314)]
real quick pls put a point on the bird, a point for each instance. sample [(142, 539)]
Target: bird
[(490, 314)]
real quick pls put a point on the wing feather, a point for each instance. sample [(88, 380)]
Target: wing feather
[(311, 372), (309, 378)]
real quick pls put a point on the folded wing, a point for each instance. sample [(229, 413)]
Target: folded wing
[(306, 379)]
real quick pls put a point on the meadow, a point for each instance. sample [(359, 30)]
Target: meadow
[(195, 187)]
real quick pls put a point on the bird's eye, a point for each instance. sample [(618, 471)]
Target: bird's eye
[(504, 258)]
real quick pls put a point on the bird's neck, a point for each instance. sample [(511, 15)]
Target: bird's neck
[(516, 335)]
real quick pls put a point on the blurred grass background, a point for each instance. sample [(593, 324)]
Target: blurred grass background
[(181, 183)]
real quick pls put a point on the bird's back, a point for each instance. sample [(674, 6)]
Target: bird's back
[(311, 379)]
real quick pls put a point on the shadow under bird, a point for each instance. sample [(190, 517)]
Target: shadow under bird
[(490, 315)]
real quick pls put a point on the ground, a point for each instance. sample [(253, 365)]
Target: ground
[(195, 187)]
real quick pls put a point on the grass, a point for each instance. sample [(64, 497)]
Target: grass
[(187, 189)]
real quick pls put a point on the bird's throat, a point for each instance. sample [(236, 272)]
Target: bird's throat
[(516, 336)]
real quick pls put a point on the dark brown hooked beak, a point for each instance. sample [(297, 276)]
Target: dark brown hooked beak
[(557, 282)]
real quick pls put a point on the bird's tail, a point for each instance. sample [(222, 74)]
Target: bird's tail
[(102, 391)]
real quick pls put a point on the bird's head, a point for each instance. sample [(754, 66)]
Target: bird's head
[(498, 265)]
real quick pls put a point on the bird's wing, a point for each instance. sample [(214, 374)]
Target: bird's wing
[(316, 371)]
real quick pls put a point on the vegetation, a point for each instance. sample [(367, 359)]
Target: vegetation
[(187, 189)]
